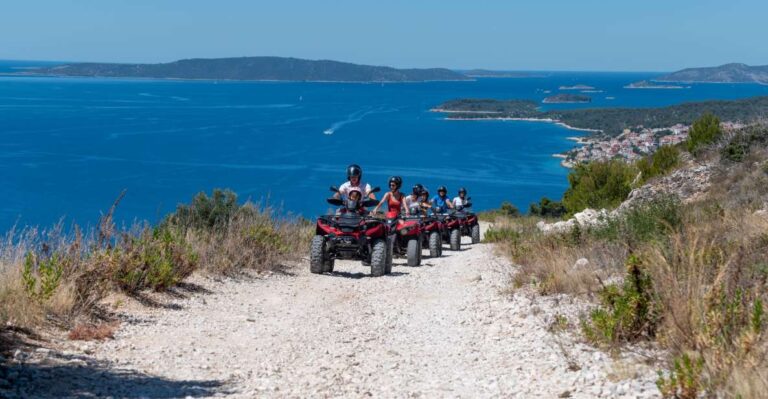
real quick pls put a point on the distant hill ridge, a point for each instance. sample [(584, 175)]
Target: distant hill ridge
[(728, 73), (254, 68)]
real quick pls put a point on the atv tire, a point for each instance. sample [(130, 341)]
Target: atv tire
[(434, 244), (390, 249), (379, 258), (413, 252), (475, 234), (455, 240), (317, 255)]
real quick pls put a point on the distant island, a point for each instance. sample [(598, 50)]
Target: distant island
[(608, 122), (567, 99), (645, 84), (577, 87), (252, 68), (484, 73), (728, 73)]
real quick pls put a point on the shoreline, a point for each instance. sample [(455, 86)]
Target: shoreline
[(546, 120), (40, 75)]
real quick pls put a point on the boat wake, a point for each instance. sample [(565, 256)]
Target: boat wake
[(356, 117)]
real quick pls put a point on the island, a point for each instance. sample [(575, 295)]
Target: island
[(567, 99), (608, 122), (252, 68), (577, 87), (728, 73), (646, 84)]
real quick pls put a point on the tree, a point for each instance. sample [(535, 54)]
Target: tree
[(598, 185), (547, 208), (705, 130)]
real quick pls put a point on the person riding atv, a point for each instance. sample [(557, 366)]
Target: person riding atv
[(354, 182), (462, 200), (441, 202), (414, 200), (353, 204), (393, 198)]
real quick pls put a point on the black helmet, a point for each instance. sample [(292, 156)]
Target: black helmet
[(397, 180), (418, 188), (354, 170), (425, 192), (462, 190), (443, 189)]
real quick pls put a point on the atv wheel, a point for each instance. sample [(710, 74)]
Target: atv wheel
[(434, 244), (455, 240), (379, 258), (413, 252), (390, 249), (475, 234), (317, 255)]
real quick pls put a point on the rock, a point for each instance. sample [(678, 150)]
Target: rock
[(476, 278), (43, 351), (581, 263), (565, 394)]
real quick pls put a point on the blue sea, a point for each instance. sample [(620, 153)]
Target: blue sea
[(70, 146)]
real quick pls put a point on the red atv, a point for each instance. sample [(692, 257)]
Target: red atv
[(351, 234), (469, 224), (451, 232), (432, 231), (407, 237)]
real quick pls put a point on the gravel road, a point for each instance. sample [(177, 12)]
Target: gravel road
[(446, 329)]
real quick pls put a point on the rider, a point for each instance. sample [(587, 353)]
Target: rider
[(413, 200), (460, 201), (441, 201), (393, 198), (354, 181), (356, 196), (424, 201)]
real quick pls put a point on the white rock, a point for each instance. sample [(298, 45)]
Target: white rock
[(581, 263)]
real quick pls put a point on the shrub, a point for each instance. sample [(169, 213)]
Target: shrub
[(507, 210), (502, 234), (684, 379), (206, 213), (627, 313), (547, 208), (659, 163), (598, 185), (704, 131)]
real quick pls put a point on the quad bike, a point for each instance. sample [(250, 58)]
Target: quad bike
[(351, 235), (451, 232), (469, 224), (432, 231), (406, 237)]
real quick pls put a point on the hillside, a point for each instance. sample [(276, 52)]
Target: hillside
[(610, 121), (253, 68), (728, 73)]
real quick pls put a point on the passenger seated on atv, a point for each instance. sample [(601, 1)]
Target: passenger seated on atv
[(393, 198), (441, 202), (354, 181), (424, 202), (353, 204), (461, 200), (413, 200)]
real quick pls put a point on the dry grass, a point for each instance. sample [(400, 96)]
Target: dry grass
[(93, 332)]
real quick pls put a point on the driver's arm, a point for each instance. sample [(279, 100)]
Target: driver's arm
[(383, 200)]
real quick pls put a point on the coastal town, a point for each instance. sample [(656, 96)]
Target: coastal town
[(631, 145)]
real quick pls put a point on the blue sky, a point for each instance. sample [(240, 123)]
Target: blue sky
[(617, 35)]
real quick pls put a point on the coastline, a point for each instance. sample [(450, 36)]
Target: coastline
[(545, 120)]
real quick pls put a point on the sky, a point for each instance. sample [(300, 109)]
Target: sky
[(573, 35)]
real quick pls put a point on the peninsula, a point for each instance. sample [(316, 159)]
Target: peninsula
[(728, 73), (252, 68), (645, 84)]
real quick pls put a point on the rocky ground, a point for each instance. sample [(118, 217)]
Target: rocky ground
[(450, 328)]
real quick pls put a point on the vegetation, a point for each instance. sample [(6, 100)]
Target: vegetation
[(613, 121), (567, 98), (690, 277), (665, 159), (704, 131), (547, 208), (61, 275), (507, 209), (598, 185)]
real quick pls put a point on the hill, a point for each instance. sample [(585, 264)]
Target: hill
[(253, 68), (728, 73)]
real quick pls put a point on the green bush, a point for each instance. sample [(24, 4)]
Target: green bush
[(627, 313), (659, 163), (684, 380), (42, 276), (704, 131), (547, 208), (598, 185), (206, 213), (502, 234)]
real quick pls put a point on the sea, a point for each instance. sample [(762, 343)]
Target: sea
[(70, 146)]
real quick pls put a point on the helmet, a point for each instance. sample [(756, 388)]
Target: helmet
[(397, 180), (443, 189), (425, 192), (462, 190), (354, 170), (417, 188)]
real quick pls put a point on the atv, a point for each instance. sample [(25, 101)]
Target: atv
[(451, 232), (351, 234), (432, 231), (406, 236), (469, 224)]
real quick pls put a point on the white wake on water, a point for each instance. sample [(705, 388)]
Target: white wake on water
[(356, 117)]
